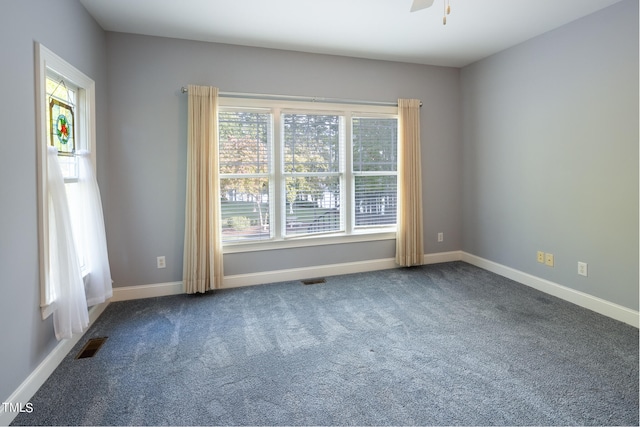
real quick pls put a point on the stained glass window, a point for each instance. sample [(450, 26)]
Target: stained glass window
[(61, 118), (62, 127)]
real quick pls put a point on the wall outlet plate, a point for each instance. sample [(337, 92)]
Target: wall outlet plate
[(161, 262), (541, 257), (582, 268), (548, 259)]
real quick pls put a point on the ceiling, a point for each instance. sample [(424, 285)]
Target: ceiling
[(376, 29)]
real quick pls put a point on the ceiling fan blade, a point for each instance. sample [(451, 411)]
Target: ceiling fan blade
[(420, 4)]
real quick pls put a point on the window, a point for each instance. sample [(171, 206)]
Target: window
[(375, 159), (312, 173), (245, 168), (291, 171), (65, 114), (61, 100)]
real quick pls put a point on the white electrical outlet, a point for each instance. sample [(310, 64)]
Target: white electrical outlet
[(582, 268), (161, 262), (440, 237), (540, 257)]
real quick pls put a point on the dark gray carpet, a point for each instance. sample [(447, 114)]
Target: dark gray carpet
[(446, 344)]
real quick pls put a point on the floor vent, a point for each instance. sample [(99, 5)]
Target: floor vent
[(314, 281), (91, 348)]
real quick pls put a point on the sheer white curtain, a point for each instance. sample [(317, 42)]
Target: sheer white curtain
[(202, 266), (98, 281), (409, 239), (70, 313)]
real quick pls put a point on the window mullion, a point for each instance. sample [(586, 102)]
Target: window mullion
[(243, 175), (349, 185), (303, 174), (277, 181)]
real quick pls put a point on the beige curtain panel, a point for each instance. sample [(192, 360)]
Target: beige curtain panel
[(409, 239), (202, 267)]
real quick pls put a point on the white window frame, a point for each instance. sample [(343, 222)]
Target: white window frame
[(85, 139), (351, 234)]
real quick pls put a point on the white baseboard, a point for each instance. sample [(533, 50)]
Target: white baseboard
[(37, 378), (250, 279), (126, 293), (443, 257), (582, 299)]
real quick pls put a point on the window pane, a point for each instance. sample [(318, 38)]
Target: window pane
[(244, 139), (313, 204), (311, 143), (375, 144), (245, 209), (376, 200), (69, 166)]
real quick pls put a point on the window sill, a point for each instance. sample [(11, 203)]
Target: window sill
[(308, 241), (48, 310)]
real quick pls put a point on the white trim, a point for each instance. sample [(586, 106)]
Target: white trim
[(582, 299), (45, 60), (275, 276), (307, 105), (41, 373), (126, 293), (442, 257), (262, 277), (249, 279), (306, 241)]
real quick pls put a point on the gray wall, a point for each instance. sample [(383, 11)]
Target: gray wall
[(550, 155), (26, 338), (147, 117)]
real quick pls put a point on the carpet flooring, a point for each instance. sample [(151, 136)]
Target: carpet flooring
[(443, 344)]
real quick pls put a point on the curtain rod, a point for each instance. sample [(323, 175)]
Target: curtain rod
[(301, 98)]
